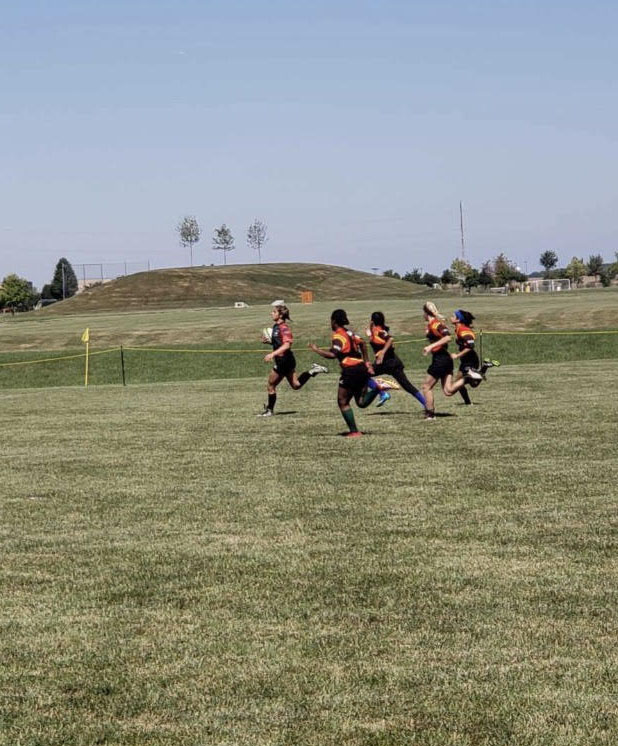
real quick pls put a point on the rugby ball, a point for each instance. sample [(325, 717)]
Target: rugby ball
[(267, 333)]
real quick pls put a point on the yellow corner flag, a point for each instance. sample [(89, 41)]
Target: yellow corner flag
[(86, 340)]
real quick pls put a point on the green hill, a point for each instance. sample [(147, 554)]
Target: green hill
[(195, 287)]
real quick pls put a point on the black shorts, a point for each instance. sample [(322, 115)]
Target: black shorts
[(285, 364), (471, 360), (441, 365), (390, 366), (354, 378)]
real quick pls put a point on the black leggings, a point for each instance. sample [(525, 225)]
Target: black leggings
[(394, 367)]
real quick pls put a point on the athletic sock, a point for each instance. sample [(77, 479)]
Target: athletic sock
[(420, 398), (304, 377), (371, 384), (348, 416), (464, 395), (272, 398)]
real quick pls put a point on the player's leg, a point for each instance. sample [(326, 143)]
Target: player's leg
[(427, 388), (401, 378), (344, 397), (274, 379), (297, 382)]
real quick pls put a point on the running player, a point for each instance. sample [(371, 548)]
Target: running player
[(470, 370), (283, 358), (386, 361), (356, 371), (441, 368)]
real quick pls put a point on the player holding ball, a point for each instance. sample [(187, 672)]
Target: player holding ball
[(282, 357)]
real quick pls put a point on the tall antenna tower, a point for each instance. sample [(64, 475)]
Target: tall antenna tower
[(461, 228)]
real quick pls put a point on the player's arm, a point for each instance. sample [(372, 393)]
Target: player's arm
[(468, 345), (382, 352), (460, 354), (437, 344), (279, 351), (322, 352)]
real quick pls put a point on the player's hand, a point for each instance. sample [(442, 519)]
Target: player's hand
[(370, 369), (379, 357), (265, 340), (454, 356), (268, 358), (313, 346), (426, 350)]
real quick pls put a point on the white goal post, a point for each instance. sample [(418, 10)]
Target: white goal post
[(549, 286)]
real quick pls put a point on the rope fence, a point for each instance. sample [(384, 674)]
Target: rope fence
[(134, 364)]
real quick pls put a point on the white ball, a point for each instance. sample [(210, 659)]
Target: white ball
[(267, 333)]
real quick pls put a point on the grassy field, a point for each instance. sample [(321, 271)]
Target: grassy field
[(33, 337), (176, 571)]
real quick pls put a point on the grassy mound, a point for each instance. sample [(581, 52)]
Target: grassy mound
[(194, 287)]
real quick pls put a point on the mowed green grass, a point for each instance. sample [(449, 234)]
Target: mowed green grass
[(190, 345), (178, 571)]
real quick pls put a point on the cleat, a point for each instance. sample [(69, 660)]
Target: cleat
[(353, 434), (473, 375), (386, 385), (383, 398), (266, 413), (317, 368), (429, 415), (491, 363)]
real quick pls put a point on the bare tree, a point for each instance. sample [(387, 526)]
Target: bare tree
[(223, 241), (257, 237), (189, 232)]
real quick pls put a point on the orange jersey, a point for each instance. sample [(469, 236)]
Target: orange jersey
[(346, 346), (378, 337), (464, 337), (436, 329)]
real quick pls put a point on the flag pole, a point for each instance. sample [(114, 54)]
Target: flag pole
[(86, 340)]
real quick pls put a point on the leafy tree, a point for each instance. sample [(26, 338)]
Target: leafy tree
[(430, 280), (448, 278), (472, 279), (223, 241), (17, 292), (460, 269), (575, 270), (257, 237), (189, 233), (595, 263), (413, 276), (548, 260), (505, 271), (391, 273), (486, 277), (64, 281)]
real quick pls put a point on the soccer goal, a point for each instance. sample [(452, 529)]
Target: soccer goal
[(549, 286)]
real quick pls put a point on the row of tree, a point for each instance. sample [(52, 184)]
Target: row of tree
[(20, 294), (494, 273), (190, 233), (502, 271), (577, 268)]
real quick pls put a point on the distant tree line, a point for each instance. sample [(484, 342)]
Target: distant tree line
[(501, 271), (19, 294)]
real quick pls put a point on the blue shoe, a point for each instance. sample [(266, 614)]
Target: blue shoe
[(383, 398)]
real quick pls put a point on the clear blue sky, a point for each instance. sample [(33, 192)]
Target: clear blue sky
[(353, 128)]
